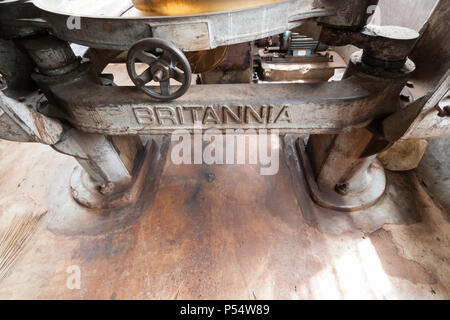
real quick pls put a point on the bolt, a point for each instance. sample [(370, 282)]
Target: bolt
[(210, 177), (342, 188), (444, 112), (106, 188), (158, 75)]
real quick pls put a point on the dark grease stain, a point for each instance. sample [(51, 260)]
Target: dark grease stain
[(210, 177), (105, 247)]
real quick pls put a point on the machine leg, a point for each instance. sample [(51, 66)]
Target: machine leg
[(111, 167), (342, 170), (338, 177)]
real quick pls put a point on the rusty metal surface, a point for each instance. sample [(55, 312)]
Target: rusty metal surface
[(15, 69), (350, 14), (52, 56), (236, 66), (384, 46), (237, 57)]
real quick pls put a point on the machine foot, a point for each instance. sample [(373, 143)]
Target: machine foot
[(88, 193), (350, 201)]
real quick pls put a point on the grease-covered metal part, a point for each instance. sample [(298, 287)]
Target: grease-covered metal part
[(350, 14), (385, 47), (52, 56)]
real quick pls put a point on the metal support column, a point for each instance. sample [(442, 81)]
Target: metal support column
[(109, 163)]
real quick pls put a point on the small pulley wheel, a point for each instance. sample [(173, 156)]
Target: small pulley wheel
[(165, 62)]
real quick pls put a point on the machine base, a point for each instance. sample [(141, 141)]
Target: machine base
[(396, 206), (349, 202), (86, 192)]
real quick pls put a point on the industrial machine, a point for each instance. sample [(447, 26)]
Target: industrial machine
[(296, 57), (53, 53)]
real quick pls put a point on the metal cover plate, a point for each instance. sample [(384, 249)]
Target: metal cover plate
[(179, 32)]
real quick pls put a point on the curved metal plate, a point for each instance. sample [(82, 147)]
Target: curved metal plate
[(110, 25)]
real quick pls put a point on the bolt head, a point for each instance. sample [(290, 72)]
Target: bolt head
[(140, 82), (342, 188), (160, 72)]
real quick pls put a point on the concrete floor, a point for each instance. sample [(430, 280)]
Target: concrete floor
[(217, 232)]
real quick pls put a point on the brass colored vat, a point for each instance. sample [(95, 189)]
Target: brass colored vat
[(182, 7)]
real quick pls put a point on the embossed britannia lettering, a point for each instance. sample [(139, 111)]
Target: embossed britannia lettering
[(185, 116), (284, 115), (227, 113), (144, 115), (166, 113), (211, 116), (250, 112), (194, 111), (180, 115)]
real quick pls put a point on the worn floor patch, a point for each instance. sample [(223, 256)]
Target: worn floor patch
[(19, 220)]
